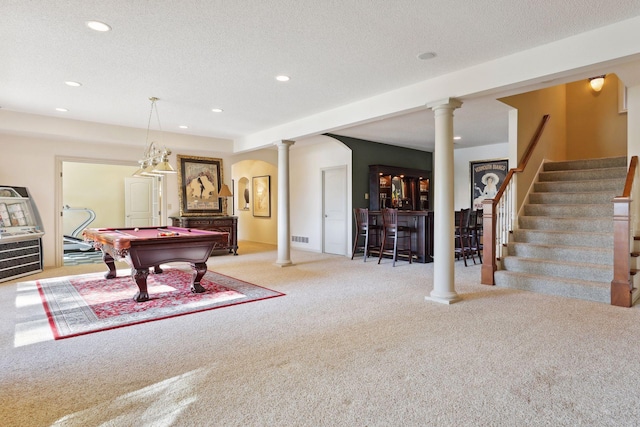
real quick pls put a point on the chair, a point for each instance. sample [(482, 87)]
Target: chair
[(394, 233), (363, 230), (463, 237)]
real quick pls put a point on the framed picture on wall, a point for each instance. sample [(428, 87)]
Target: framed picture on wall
[(486, 178), (199, 181), (262, 196)]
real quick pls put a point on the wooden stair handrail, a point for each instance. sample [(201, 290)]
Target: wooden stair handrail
[(525, 158), (622, 283), (628, 184), (489, 265)]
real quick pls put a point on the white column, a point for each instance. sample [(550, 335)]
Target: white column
[(443, 215), (284, 226)]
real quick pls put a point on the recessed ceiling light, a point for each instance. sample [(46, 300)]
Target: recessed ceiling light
[(283, 78), (73, 84), (426, 55), (217, 110), (98, 26), (62, 110), (457, 137), (183, 127)]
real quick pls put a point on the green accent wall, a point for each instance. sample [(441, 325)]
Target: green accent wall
[(365, 153)]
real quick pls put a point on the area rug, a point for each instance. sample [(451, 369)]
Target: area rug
[(77, 305)]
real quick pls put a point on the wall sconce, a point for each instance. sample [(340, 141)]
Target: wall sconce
[(597, 83)]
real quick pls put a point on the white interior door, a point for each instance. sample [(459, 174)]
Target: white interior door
[(141, 202), (334, 195)]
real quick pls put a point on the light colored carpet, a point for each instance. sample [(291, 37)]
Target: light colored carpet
[(351, 344)]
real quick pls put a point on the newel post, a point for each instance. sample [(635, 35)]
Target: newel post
[(621, 286), (489, 265)]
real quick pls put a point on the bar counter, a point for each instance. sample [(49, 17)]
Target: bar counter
[(422, 240)]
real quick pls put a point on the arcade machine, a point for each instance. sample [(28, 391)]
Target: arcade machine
[(21, 234)]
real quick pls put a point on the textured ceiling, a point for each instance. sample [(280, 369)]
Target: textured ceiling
[(199, 55)]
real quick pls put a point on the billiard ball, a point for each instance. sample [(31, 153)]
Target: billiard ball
[(136, 229)]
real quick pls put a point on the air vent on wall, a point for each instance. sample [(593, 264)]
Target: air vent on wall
[(299, 239)]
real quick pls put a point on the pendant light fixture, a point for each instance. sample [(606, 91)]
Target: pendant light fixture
[(155, 161)]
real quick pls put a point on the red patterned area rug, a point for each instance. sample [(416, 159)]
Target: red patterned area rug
[(77, 305)]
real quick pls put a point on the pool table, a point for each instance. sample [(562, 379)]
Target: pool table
[(146, 247)]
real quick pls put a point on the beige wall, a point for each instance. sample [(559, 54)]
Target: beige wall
[(31, 162), (33, 152), (595, 128), (307, 160), (307, 165)]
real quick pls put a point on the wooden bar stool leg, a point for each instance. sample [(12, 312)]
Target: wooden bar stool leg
[(395, 248), (366, 246), (382, 244), (355, 245)]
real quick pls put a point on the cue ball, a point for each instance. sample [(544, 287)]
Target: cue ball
[(136, 229)]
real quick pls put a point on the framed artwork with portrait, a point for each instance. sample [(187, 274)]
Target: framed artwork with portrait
[(486, 178), (262, 196), (199, 181)]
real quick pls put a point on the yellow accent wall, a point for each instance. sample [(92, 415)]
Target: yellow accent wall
[(532, 106), (583, 125), (595, 128)]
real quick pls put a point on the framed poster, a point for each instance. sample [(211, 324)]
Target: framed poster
[(199, 181), (486, 178), (262, 196)]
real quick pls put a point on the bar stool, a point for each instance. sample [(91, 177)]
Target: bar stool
[(364, 229), (392, 233), (475, 232), (463, 236)]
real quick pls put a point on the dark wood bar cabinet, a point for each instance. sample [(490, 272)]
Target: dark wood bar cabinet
[(228, 224)]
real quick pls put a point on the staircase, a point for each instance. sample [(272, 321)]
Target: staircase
[(564, 243)]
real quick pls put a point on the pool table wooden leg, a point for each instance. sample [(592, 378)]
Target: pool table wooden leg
[(140, 276), (108, 259), (199, 269)]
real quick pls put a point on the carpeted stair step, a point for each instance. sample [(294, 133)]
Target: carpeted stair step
[(569, 210), (607, 162), (594, 255), (572, 288), (579, 186), (594, 197), (558, 237), (563, 244), (599, 225), (567, 270), (583, 175)]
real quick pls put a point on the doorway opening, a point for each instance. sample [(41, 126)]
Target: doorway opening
[(98, 193)]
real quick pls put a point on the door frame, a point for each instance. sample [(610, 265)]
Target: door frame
[(59, 160)]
